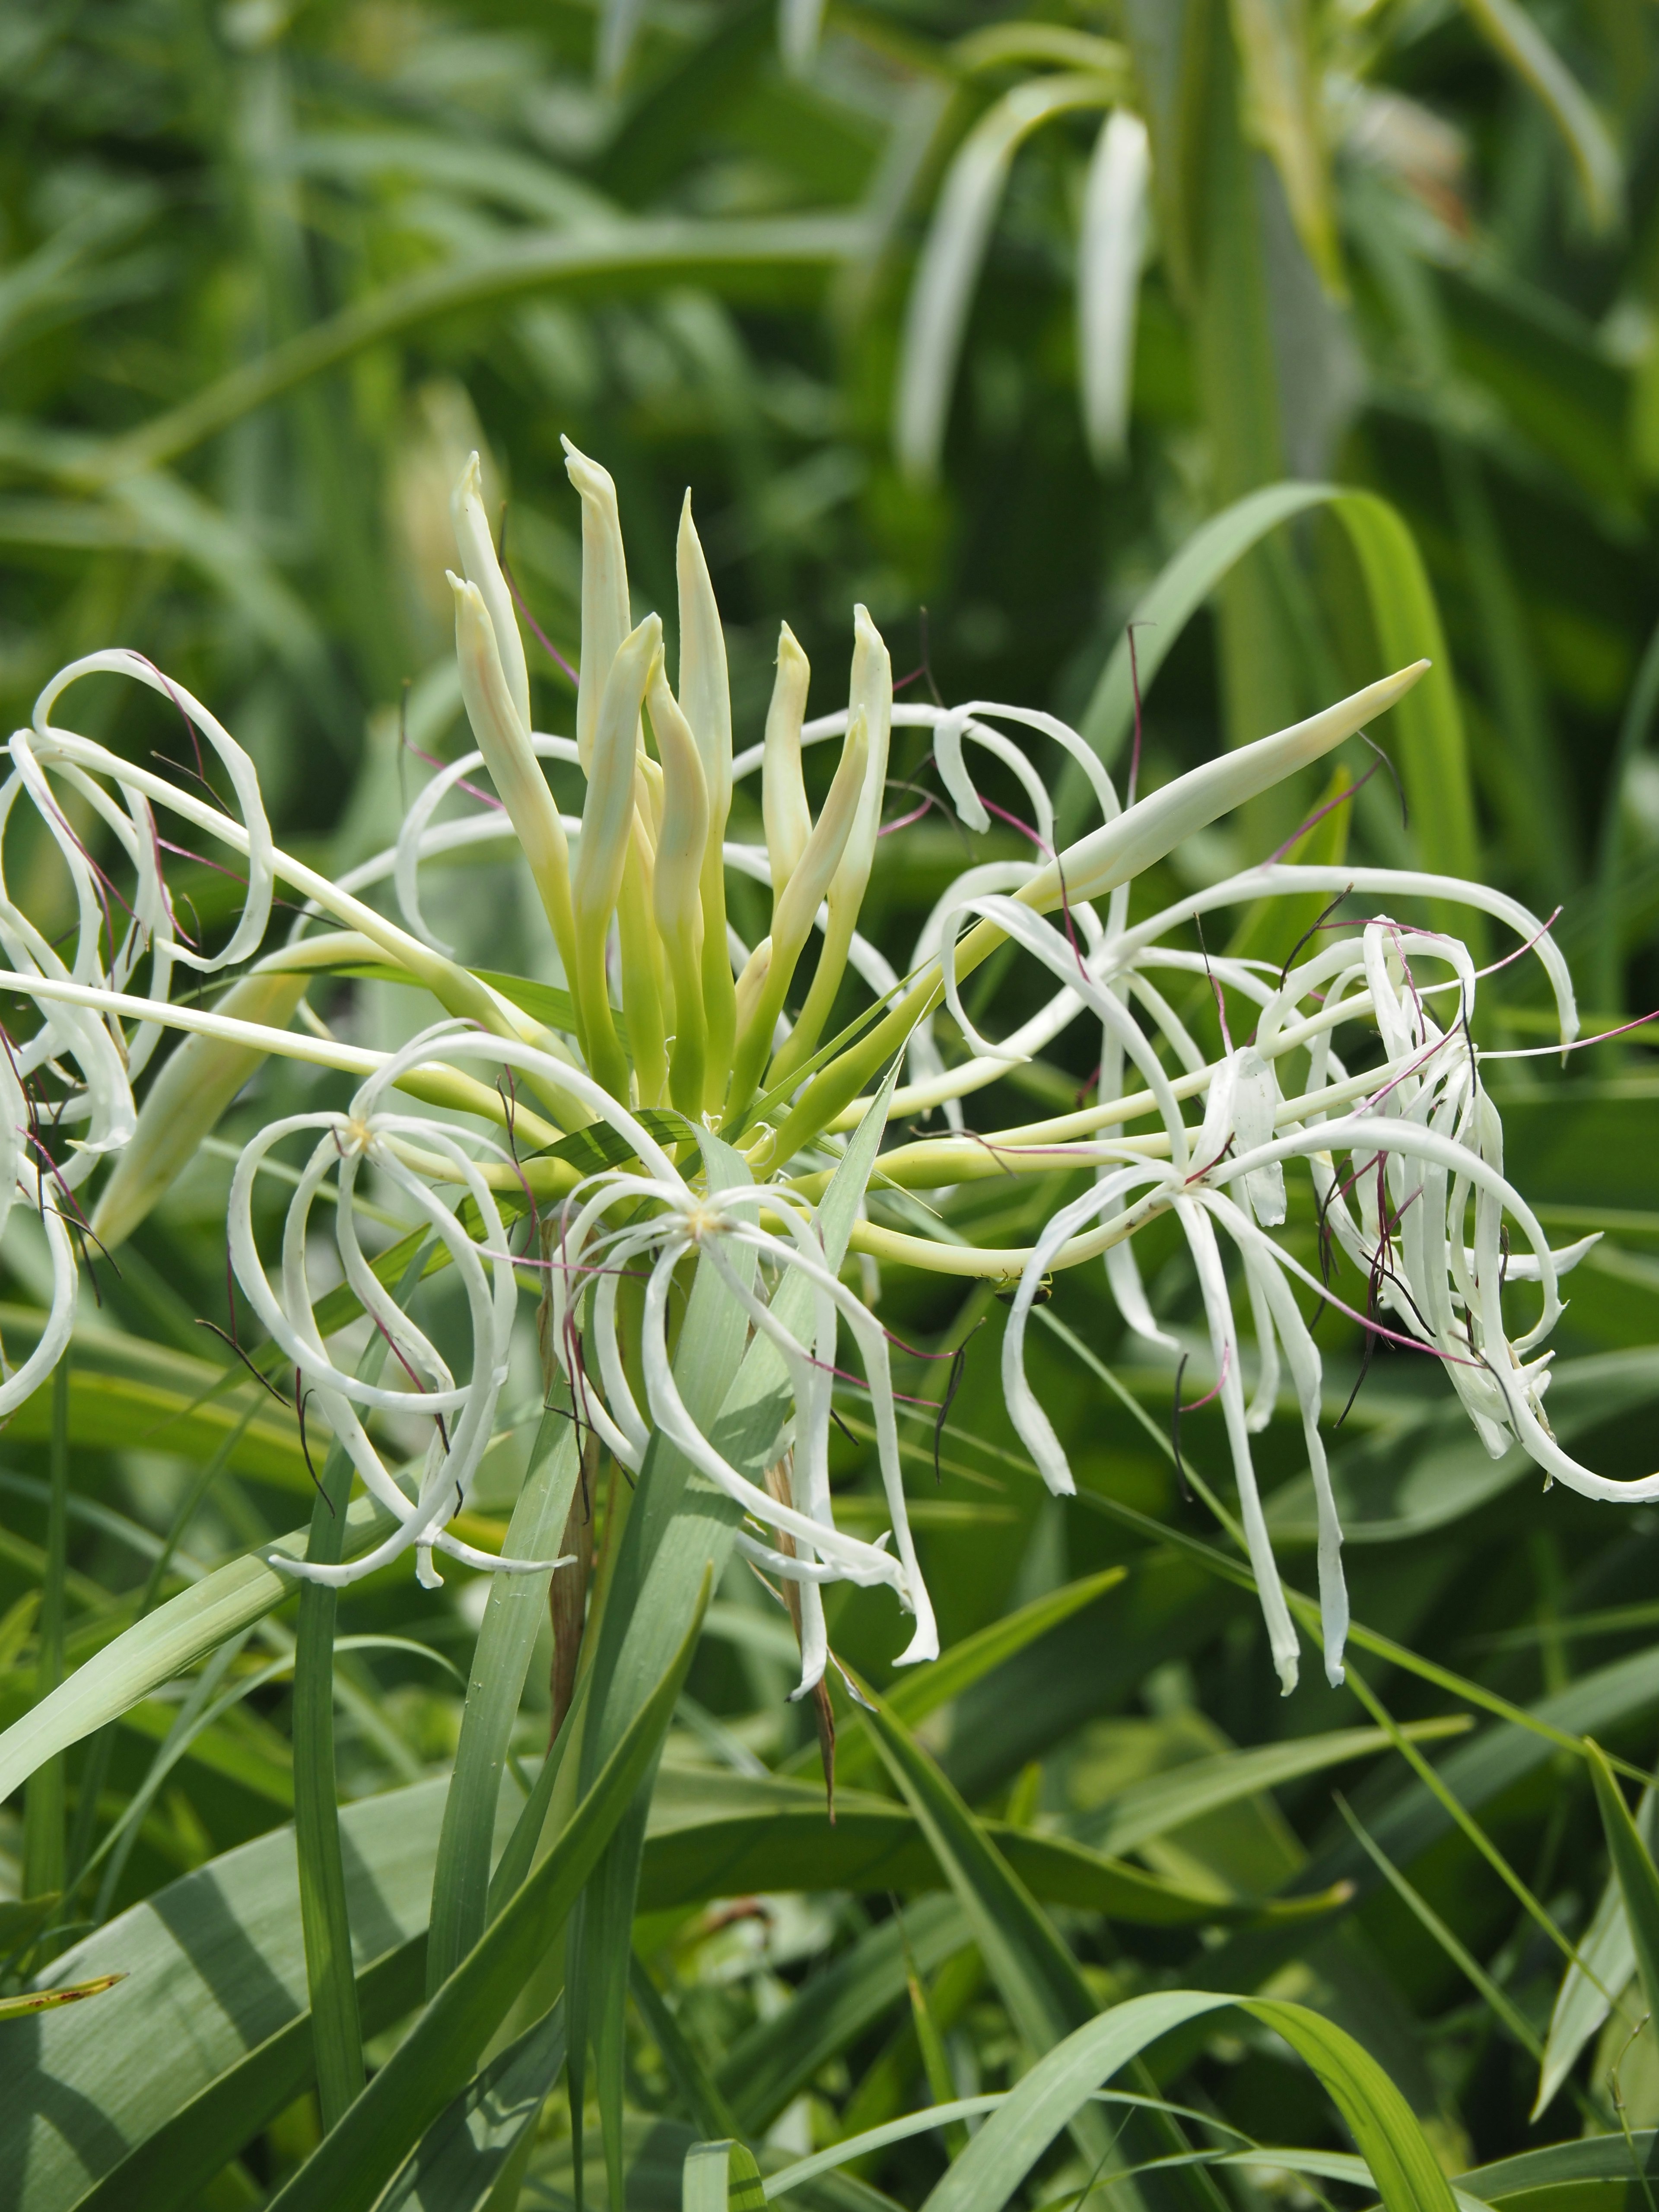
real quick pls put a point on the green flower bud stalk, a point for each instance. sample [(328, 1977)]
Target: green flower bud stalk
[(787, 818), (705, 700), (481, 565), (677, 888), (641, 961), (794, 910), (606, 618), (607, 831), (872, 699), (504, 741)]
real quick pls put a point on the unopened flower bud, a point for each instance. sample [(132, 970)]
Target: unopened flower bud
[(483, 569), (504, 741), (783, 791), (705, 700), (193, 1088), (607, 826), (793, 912), (676, 893), (870, 694), (605, 620), (869, 701)]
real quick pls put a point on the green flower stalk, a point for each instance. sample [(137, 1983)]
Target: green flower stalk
[(606, 618), (608, 838), (496, 686), (677, 888), (706, 703), (784, 809), (871, 703), (794, 909)]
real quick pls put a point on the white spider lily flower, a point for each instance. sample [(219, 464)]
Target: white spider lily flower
[(104, 1056), (22, 1178), (463, 1412), (1401, 1164), (1242, 1103), (48, 740), (1426, 1138)]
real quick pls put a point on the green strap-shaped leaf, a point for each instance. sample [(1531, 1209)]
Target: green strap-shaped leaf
[(936, 314), (1385, 2130), (719, 1834), (1276, 49), (44, 1834), (465, 2154), (1509, 28), (1498, 1999), (721, 2177), (678, 1528), (353, 2163), (700, 2096), (1610, 1956), (513, 1617), (198, 2136), (771, 2062), (1169, 604), (1036, 1975), (676, 1524), (337, 2031), (168, 1641), (961, 1667), (208, 2036), (1136, 1815), (1479, 1772), (1428, 735), (989, 2171), (1634, 1871), (1427, 728), (1560, 2166), (35, 2001)]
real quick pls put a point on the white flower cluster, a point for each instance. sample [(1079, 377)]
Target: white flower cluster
[(1405, 1157)]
